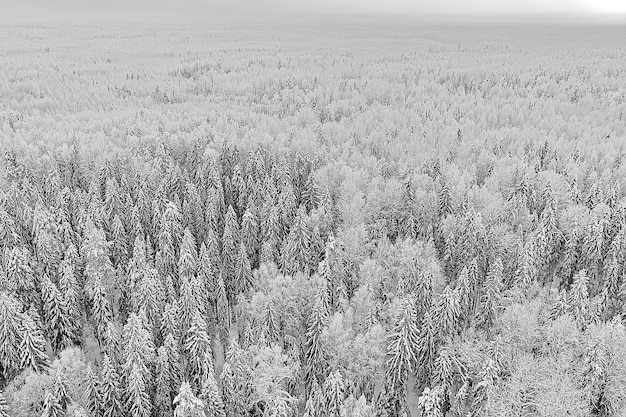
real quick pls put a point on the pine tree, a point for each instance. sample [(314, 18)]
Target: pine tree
[(491, 297), (208, 274), (314, 363), (198, 349), (334, 388), (188, 260), (403, 344), (98, 266), (60, 391), (187, 404), (33, 347), (119, 245), (56, 315), (10, 336), (579, 299), (4, 408), (51, 406), (234, 398), (211, 396), (189, 305), (230, 247), (148, 296), (110, 390), (295, 252), (169, 375), (271, 328), (92, 394), (244, 271), (250, 235), (70, 290), (101, 312), (138, 358), (20, 275)]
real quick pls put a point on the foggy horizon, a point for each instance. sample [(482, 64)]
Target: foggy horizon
[(199, 11)]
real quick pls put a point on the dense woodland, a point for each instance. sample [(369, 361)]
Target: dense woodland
[(346, 223)]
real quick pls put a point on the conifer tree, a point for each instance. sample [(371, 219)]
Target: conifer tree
[(211, 397), (4, 408), (138, 359), (51, 406), (199, 352), (101, 311), (32, 347), (98, 266), (60, 391), (92, 394), (295, 252), (271, 328), (314, 356), (244, 271), (403, 344), (578, 299), (250, 233), (230, 248), (491, 298), (110, 390), (187, 404), (334, 388), (208, 274), (188, 259), (169, 375), (60, 329)]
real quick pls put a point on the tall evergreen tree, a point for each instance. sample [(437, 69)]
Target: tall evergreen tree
[(244, 271), (169, 375), (230, 248), (110, 390), (295, 252), (92, 393), (314, 363), (211, 396), (138, 360), (32, 347), (199, 352), (187, 404), (403, 344), (51, 406), (59, 326)]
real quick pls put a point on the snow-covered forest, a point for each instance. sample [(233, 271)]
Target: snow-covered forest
[(314, 221)]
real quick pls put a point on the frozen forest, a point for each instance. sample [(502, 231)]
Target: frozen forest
[(373, 220)]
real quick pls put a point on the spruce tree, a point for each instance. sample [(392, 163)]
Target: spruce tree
[(403, 346), (110, 390), (187, 404), (32, 347), (211, 397), (314, 365), (244, 271), (334, 388), (230, 248), (4, 408), (10, 336), (295, 252), (199, 352), (51, 406), (138, 359), (92, 394), (59, 326), (168, 375)]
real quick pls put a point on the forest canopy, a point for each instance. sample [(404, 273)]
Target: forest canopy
[(323, 222)]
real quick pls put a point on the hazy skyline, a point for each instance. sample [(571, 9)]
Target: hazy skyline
[(24, 11)]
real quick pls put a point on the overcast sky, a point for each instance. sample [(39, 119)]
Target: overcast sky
[(196, 10)]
